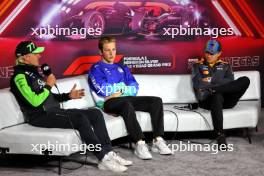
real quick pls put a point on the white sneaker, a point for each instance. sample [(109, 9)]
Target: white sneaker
[(108, 164), (113, 156), (142, 151), (161, 147)]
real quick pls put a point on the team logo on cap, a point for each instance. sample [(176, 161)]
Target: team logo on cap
[(31, 47)]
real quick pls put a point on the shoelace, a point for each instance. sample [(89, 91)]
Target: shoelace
[(161, 144), (113, 163), (144, 148), (114, 155)]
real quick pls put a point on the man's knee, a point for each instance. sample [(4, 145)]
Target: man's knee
[(94, 112), (127, 105), (78, 120), (244, 80), (157, 100)]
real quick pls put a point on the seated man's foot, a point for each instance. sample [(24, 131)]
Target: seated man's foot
[(221, 141), (142, 151), (160, 146), (118, 159), (109, 164)]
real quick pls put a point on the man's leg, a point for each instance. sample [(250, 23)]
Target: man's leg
[(68, 120), (154, 106), (225, 96), (97, 120), (214, 103), (122, 106), (98, 123), (231, 99), (233, 91)]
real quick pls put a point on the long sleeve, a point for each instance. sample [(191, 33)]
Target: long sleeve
[(197, 78), (33, 98), (98, 82)]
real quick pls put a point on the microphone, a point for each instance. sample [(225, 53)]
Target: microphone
[(46, 69)]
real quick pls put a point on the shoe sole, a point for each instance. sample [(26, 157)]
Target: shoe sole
[(155, 150), (125, 164), (102, 167), (142, 157)]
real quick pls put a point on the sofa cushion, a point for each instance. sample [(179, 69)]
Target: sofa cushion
[(10, 110), (115, 126), (171, 88), (21, 138), (244, 115), (178, 88), (65, 85)]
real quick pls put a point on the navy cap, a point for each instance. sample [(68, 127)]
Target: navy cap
[(213, 47)]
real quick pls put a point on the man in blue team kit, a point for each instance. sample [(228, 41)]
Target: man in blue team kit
[(114, 89)]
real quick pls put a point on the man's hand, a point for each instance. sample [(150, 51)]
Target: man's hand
[(76, 94), (207, 79), (51, 80), (114, 95)]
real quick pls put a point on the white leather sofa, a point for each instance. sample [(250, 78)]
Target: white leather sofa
[(17, 137)]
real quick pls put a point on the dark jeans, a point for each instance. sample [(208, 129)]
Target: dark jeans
[(90, 124), (225, 96), (126, 107)]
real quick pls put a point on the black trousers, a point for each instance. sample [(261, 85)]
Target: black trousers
[(90, 124), (126, 107), (225, 96)]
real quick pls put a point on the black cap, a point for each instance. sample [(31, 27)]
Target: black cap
[(27, 47)]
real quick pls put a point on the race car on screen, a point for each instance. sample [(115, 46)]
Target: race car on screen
[(136, 17)]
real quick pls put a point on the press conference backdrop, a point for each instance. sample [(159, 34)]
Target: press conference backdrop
[(153, 37)]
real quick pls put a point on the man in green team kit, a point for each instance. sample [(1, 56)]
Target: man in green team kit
[(41, 107)]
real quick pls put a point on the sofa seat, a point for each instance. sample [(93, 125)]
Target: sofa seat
[(21, 139)]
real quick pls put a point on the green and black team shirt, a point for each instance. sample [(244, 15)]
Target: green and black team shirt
[(32, 93)]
